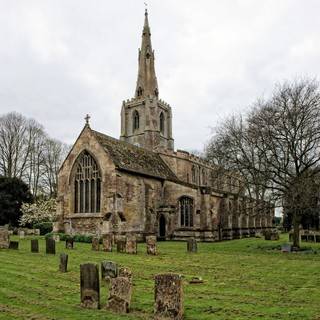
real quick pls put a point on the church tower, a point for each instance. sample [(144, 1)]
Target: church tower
[(146, 121)]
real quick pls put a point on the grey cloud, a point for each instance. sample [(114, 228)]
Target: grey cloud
[(62, 59)]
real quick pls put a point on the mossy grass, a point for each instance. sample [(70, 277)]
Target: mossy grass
[(243, 279)]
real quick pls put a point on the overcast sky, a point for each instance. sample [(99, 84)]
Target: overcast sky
[(62, 59)]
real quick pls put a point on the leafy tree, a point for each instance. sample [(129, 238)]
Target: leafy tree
[(13, 192)]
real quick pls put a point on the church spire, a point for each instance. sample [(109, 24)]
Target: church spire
[(147, 81)]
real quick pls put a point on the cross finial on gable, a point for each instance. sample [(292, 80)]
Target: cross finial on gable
[(87, 118)]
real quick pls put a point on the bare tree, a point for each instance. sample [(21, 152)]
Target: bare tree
[(27, 153), (54, 154), (14, 145), (277, 146)]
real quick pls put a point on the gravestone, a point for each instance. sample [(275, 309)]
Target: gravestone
[(109, 270), (21, 234), (267, 235), (286, 248), (4, 238), (131, 244), (121, 245), (37, 232), (274, 236), (95, 244), (120, 295), (151, 245), (14, 245), (35, 245), (63, 266), (125, 272), (107, 242), (168, 297), (69, 243), (56, 237), (50, 246), (89, 286), (192, 245)]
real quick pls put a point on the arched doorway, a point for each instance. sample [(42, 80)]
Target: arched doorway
[(162, 227)]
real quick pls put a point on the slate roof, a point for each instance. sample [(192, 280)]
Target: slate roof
[(135, 159)]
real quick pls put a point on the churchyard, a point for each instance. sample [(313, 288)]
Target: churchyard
[(242, 279)]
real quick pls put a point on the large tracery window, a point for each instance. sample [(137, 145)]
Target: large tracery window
[(87, 185), (186, 212)]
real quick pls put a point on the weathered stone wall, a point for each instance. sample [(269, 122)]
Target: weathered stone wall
[(133, 203), (83, 223)]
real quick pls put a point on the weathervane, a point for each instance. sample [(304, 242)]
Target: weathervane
[(87, 118)]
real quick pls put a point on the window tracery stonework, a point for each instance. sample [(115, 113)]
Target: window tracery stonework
[(87, 185), (186, 212)]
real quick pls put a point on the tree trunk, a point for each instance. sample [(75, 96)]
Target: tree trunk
[(296, 230)]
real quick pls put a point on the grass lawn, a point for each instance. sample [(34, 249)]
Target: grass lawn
[(242, 280)]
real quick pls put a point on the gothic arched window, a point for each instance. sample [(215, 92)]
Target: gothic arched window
[(87, 185), (161, 122), (135, 120), (186, 212)]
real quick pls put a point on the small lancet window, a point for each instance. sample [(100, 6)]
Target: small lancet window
[(87, 185), (204, 177), (156, 92), (161, 122), (135, 120), (139, 92)]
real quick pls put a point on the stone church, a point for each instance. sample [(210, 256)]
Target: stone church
[(139, 184)]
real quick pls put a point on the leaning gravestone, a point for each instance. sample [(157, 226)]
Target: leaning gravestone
[(95, 244), (69, 243), (4, 238), (22, 234), (63, 266), (192, 245), (131, 244), (121, 245), (120, 295), (50, 246), (107, 242), (89, 286), (151, 245), (168, 297), (35, 245), (109, 270), (14, 245), (125, 272)]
